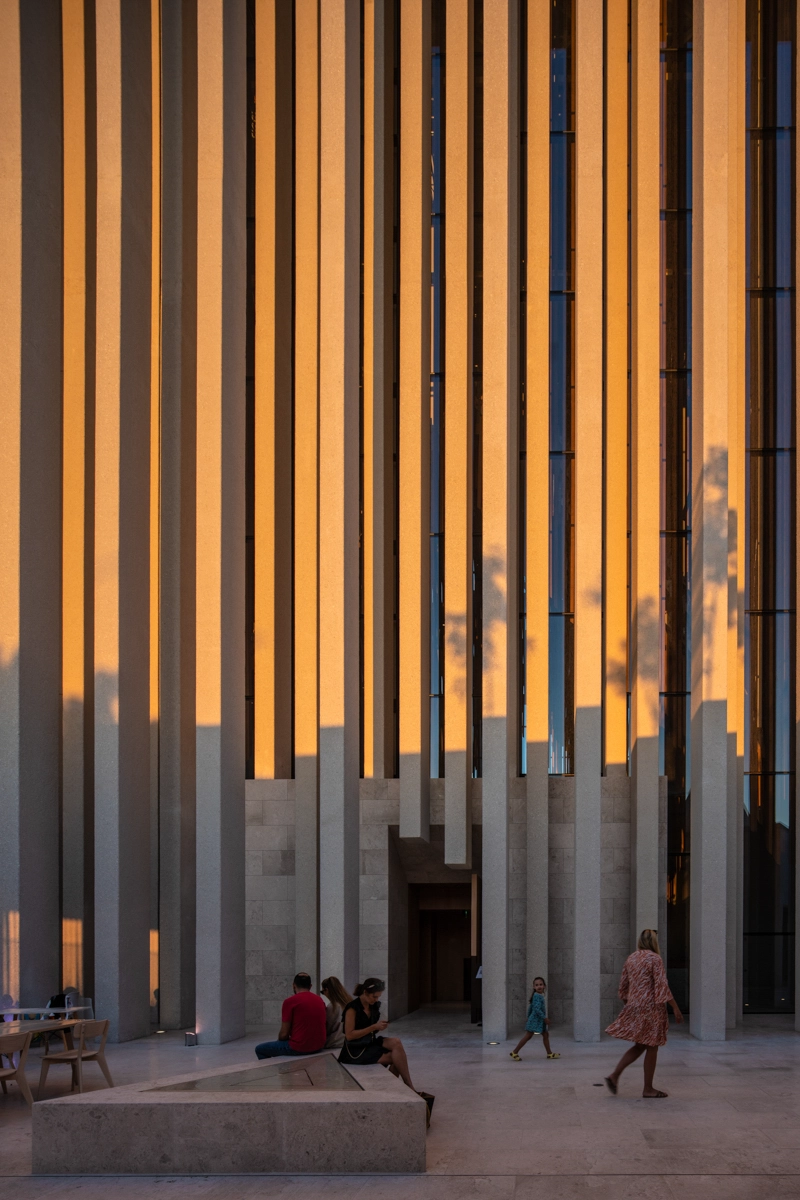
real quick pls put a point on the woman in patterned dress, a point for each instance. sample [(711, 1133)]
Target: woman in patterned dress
[(644, 990)]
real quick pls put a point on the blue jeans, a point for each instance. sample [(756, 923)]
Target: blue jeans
[(275, 1049)]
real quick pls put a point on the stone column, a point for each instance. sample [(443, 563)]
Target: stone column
[(306, 495), (458, 178), (30, 500), (588, 510), (615, 749), (645, 455), (537, 486), (219, 645), (415, 269), (737, 544), (711, 168), (500, 494), (378, 432), (339, 487), (122, 518), (176, 773), (273, 393), (76, 773)]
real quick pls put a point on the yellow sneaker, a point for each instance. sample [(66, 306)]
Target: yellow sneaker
[(554, 1056), (515, 1056)]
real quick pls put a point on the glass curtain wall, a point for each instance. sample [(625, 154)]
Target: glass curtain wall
[(477, 402), (769, 803), (562, 389), (675, 507), (437, 388)]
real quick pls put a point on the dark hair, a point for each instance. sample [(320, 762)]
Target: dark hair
[(544, 981), (302, 980), (371, 984)]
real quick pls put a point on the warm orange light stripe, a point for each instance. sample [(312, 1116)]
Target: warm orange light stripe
[(155, 364), (616, 384)]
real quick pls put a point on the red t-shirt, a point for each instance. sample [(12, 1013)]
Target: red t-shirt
[(304, 1013)]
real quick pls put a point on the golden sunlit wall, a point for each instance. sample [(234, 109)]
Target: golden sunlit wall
[(397, 463)]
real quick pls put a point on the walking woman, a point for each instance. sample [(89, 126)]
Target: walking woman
[(363, 1040), (338, 998), (645, 992)]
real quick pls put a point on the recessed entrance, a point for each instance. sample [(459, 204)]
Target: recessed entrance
[(439, 928)]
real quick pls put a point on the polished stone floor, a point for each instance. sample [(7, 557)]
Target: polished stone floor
[(730, 1129)]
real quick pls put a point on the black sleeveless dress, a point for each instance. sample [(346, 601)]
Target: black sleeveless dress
[(362, 1052)]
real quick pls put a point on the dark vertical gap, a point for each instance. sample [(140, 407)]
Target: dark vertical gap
[(396, 134), (437, 387), (250, 405), (562, 389), (770, 452), (361, 530), (90, 68), (477, 404), (675, 471), (523, 385)]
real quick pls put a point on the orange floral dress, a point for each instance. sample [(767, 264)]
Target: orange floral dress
[(645, 992)]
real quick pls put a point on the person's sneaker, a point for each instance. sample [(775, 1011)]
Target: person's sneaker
[(554, 1056), (515, 1056)]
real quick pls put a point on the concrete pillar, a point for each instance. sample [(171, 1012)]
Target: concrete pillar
[(339, 487), (588, 510), (737, 553), (306, 493), (176, 622), (458, 178), (645, 457), (30, 500), (615, 749), (414, 550), (122, 518), (219, 639), (537, 483), (273, 393), (500, 493), (378, 432), (711, 328), (76, 772)]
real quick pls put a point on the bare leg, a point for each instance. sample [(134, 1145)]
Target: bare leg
[(397, 1058), (649, 1070), (546, 1040), (628, 1057), (526, 1037)]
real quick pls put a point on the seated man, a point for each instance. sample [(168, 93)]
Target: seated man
[(303, 1029)]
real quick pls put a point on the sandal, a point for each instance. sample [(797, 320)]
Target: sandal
[(554, 1056), (612, 1087), (515, 1056), (657, 1096)]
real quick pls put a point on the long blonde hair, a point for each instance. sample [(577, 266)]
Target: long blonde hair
[(648, 940), (335, 991)]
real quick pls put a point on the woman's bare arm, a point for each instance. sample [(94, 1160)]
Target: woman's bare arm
[(350, 1031)]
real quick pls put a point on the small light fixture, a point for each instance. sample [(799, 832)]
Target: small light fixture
[(190, 1038), (161, 1031), (494, 1043)]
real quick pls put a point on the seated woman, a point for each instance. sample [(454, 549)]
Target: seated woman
[(338, 998), (363, 1040)]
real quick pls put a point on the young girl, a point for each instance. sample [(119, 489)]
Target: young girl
[(537, 1021)]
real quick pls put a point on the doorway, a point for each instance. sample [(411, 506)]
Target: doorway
[(439, 943)]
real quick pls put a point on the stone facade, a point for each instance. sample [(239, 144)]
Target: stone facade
[(388, 865)]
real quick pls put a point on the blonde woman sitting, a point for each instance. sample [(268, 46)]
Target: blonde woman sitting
[(338, 998)]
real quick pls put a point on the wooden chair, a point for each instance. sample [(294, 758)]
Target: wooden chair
[(17, 1043), (83, 1032)]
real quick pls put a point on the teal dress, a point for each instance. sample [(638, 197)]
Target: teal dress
[(537, 1011)]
